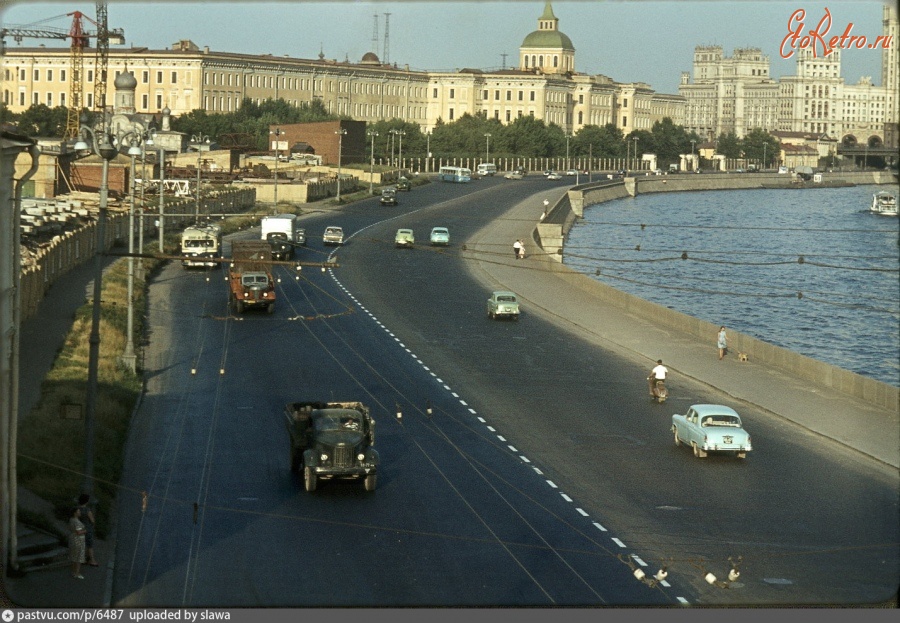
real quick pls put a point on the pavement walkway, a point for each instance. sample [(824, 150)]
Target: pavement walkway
[(537, 280)]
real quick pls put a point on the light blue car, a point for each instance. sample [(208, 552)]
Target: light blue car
[(440, 236), (711, 428)]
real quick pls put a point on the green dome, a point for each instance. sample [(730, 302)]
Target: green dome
[(548, 39)]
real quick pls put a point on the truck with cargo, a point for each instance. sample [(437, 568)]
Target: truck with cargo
[(250, 276), (283, 233), (332, 441), (201, 245)]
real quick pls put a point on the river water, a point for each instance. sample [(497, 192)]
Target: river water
[(810, 270)]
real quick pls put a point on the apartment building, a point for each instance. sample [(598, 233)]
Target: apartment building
[(185, 77)]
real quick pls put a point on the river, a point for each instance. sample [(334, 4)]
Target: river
[(810, 270)]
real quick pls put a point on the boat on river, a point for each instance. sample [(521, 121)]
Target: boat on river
[(884, 203)]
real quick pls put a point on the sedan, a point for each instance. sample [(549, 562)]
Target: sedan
[(571, 172), (711, 428), (404, 238), (503, 304), (440, 236), (553, 175), (514, 175)]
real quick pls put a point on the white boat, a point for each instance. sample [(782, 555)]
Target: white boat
[(884, 203)]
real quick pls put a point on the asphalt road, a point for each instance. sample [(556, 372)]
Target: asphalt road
[(540, 474)]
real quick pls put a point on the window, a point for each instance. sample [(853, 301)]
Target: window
[(531, 96), (62, 99), (49, 100), (22, 75), (145, 77), (37, 75), (484, 94), (509, 96), (62, 75), (22, 98), (435, 93), (145, 101), (34, 98), (451, 114), (174, 77), (624, 122), (159, 101), (581, 98), (625, 103), (497, 95), (90, 100), (158, 77), (452, 95), (521, 95)]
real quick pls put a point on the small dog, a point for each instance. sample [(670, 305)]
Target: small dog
[(742, 357)]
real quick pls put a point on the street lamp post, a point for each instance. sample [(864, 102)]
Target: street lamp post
[(162, 200), (428, 152), (765, 147), (372, 134), (392, 133), (568, 165), (277, 132), (341, 132), (635, 139), (102, 147), (487, 147), (692, 152), (129, 359), (401, 134), (198, 140)]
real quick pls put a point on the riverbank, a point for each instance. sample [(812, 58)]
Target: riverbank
[(550, 233)]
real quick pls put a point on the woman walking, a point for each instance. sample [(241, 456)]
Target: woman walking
[(722, 342), (76, 542), (87, 518)]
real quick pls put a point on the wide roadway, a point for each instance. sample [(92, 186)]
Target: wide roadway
[(526, 467)]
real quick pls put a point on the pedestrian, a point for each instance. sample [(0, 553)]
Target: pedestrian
[(521, 255), (517, 248), (76, 542), (87, 518), (722, 343)]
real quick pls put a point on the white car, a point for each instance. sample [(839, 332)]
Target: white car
[(333, 235), (553, 175), (503, 304)]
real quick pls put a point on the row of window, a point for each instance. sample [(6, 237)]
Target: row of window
[(50, 101), (36, 75)]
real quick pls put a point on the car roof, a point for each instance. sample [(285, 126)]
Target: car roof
[(438, 229), (403, 230), (709, 409), (503, 293)]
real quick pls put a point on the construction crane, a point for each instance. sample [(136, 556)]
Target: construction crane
[(80, 38)]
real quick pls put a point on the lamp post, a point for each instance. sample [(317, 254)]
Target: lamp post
[(765, 147), (487, 147), (102, 147), (129, 359), (392, 133), (372, 134), (341, 132), (401, 134), (428, 152), (276, 132), (198, 140), (162, 200), (568, 165), (635, 139), (692, 152)]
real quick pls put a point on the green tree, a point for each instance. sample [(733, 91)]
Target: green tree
[(669, 141), (603, 142), (729, 145), (759, 144), (41, 120)]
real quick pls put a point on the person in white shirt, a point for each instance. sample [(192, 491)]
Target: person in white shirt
[(658, 373)]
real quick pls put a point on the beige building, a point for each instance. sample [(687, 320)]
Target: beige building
[(185, 77), (736, 94)]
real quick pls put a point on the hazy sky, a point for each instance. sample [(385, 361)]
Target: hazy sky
[(627, 40)]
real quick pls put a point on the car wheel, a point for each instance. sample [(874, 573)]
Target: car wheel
[(742, 455), (271, 308), (370, 482), (516, 317), (310, 480), (490, 314), (700, 454), (238, 306), (677, 439)]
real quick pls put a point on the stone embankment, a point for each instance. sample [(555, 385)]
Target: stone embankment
[(550, 233)]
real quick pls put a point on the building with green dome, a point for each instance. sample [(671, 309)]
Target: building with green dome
[(547, 50)]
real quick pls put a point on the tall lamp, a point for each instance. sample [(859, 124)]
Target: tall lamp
[(372, 134), (341, 132)]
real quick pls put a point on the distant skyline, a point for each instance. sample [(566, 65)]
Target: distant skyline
[(627, 40)]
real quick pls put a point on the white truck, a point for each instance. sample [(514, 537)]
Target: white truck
[(283, 233)]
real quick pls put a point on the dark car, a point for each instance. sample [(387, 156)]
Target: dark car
[(404, 184), (388, 197)]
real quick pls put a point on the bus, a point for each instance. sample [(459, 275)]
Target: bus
[(455, 174), (201, 245), (487, 168)]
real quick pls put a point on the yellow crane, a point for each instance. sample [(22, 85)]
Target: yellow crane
[(80, 38)]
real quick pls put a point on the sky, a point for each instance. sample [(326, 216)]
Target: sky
[(627, 40)]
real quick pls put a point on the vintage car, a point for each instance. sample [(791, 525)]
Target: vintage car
[(333, 235), (503, 304), (711, 428), (388, 197), (404, 238), (515, 175), (440, 236), (404, 184), (553, 175)]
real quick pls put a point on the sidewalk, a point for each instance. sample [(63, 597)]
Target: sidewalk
[(537, 280)]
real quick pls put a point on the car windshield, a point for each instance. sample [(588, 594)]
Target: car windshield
[(338, 422), (507, 299), (721, 420), (253, 280)]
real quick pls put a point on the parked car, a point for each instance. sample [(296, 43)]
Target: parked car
[(404, 238), (514, 175), (440, 236), (553, 175), (503, 304), (388, 197), (711, 428), (333, 235), (404, 184)]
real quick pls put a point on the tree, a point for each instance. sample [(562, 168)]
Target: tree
[(41, 120), (669, 141), (729, 145), (758, 145), (605, 142)]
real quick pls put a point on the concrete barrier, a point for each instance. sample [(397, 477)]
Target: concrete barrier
[(550, 233)]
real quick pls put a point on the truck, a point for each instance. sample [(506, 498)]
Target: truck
[(332, 441), (201, 245), (250, 276), (283, 233)]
